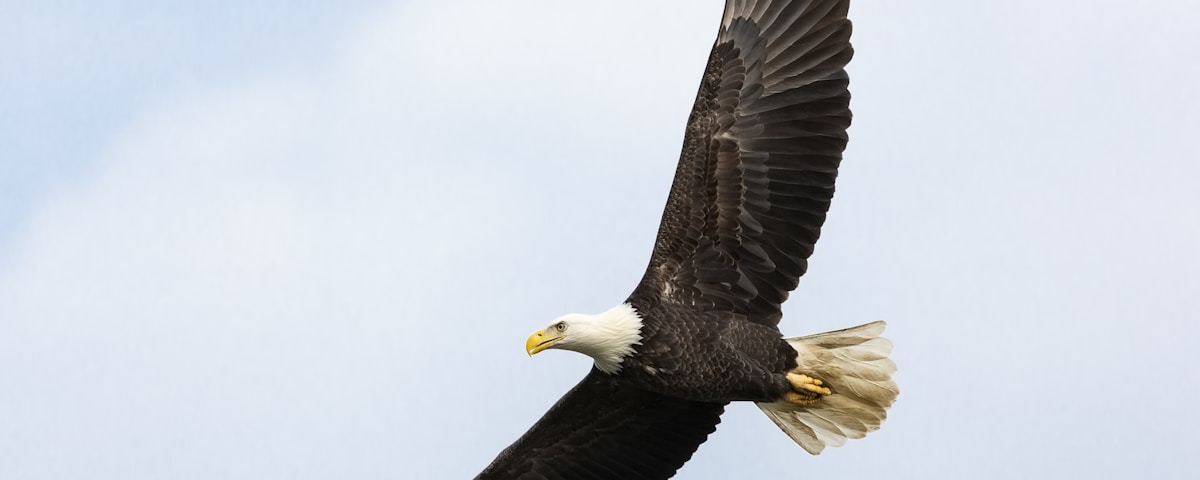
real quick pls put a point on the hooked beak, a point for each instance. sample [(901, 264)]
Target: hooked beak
[(540, 340)]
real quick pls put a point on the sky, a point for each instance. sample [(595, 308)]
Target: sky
[(266, 239)]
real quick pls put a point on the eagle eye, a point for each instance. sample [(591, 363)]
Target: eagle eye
[(560, 326)]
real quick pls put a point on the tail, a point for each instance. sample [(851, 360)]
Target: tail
[(854, 365)]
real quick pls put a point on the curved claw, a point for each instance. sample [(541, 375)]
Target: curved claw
[(808, 390)]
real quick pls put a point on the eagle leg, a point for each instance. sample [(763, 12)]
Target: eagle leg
[(807, 390)]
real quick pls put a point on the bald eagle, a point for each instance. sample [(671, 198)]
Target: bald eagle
[(751, 190)]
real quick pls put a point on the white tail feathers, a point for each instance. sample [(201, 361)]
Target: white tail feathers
[(854, 364)]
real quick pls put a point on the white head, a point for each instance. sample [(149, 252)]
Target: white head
[(608, 337)]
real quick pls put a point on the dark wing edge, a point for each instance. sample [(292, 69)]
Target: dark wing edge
[(760, 156), (601, 430)]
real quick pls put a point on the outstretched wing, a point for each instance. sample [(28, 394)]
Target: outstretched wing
[(759, 160), (601, 430)]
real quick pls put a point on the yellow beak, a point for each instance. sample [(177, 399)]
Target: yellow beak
[(540, 341)]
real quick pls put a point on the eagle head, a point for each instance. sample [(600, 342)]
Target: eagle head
[(608, 337)]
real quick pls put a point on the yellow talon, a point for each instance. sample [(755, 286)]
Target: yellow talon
[(817, 390), (807, 389), (801, 399)]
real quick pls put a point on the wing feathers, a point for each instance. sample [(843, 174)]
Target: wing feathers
[(603, 430), (759, 162), (754, 181)]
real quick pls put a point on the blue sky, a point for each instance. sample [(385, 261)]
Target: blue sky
[(279, 240)]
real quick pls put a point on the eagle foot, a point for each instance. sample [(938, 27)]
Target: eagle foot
[(808, 390)]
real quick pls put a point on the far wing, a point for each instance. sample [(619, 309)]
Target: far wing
[(760, 155), (600, 430)]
